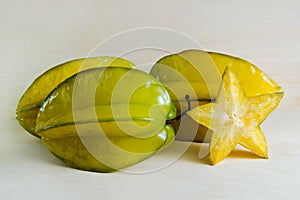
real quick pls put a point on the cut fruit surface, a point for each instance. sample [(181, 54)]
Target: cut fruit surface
[(235, 118)]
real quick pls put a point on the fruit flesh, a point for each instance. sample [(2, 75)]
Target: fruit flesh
[(187, 129), (199, 74), (93, 104), (235, 118), (30, 102)]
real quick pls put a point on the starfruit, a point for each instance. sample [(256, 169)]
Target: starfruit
[(106, 119), (235, 118), (31, 101), (198, 74)]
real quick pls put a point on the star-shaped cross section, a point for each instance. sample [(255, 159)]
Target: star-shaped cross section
[(235, 118)]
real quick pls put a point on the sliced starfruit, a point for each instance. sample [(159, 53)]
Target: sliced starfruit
[(198, 74), (235, 118), (31, 101), (105, 119)]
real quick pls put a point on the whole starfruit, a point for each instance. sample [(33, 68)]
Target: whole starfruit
[(198, 74), (106, 119)]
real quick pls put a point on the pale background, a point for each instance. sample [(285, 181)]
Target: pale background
[(36, 35)]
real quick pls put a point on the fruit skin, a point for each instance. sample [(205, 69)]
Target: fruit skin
[(199, 74), (202, 72), (75, 154), (31, 100), (105, 119)]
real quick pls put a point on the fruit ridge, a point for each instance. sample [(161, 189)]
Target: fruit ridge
[(131, 126)]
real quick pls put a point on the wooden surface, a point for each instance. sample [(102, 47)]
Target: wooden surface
[(36, 35)]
